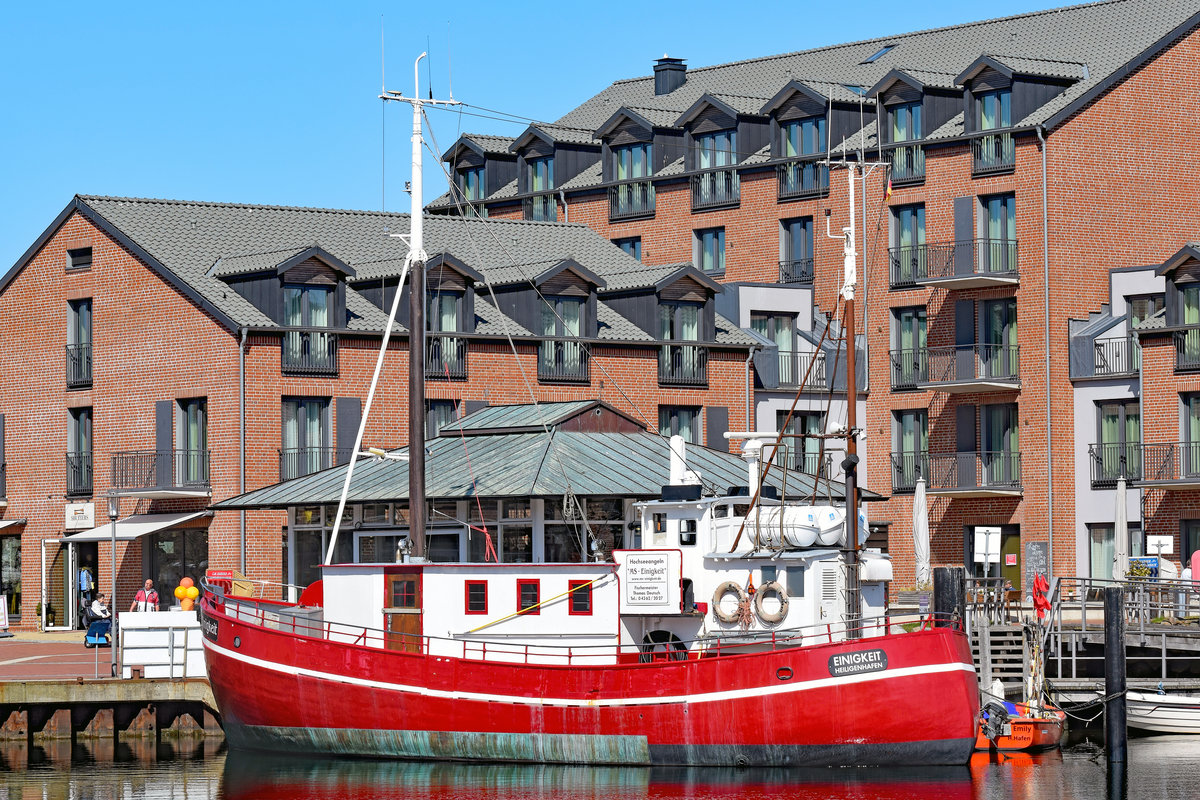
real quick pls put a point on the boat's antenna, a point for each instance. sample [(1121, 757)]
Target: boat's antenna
[(414, 266)]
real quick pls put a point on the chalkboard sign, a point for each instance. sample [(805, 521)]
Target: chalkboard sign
[(1037, 557)]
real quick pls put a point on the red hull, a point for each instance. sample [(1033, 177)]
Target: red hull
[(278, 690)]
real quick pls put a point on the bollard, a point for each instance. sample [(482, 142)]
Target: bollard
[(1115, 732), (949, 595)]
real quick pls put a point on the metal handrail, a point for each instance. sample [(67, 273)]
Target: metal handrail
[(683, 365), (563, 360), (1111, 460), (296, 462), (309, 353), (1187, 349), (995, 152), (631, 199), (143, 469), (79, 365), (716, 188), (542, 207), (974, 362), (802, 178), (912, 265), (908, 164), (445, 356), (796, 270)]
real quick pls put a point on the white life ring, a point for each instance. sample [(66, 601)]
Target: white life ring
[(725, 588), (771, 617)]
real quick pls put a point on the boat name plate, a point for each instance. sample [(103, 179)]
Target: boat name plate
[(857, 662)]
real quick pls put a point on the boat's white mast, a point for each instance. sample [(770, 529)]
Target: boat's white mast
[(414, 267)]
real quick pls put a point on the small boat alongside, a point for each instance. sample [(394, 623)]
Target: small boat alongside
[(1162, 713), (1005, 727)]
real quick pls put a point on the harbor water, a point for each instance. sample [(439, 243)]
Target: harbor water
[(1164, 768)]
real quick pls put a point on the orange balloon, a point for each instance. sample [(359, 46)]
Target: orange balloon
[(188, 604), (186, 582), (192, 592), (179, 592)]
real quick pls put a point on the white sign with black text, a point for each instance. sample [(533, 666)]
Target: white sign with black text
[(650, 581)]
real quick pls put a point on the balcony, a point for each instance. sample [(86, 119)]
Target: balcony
[(296, 462), (793, 366), (683, 365), (971, 368), (966, 474), (541, 207), (817, 464), (1187, 350), (1117, 357), (910, 368), (445, 357), (800, 180), (1170, 465), (718, 188), (309, 353), (908, 165), (563, 362), (79, 366), (967, 264), (175, 471), (796, 271), (630, 201), (79, 474), (1110, 461), (994, 154)]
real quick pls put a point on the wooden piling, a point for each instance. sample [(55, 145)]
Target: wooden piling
[(949, 595), (1115, 731)]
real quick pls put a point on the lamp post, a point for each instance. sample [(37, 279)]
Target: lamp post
[(114, 510)]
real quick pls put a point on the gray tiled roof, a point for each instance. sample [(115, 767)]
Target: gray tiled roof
[(590, 176), (616, 327), (491, 144), (1072, 70), (256, 262), (729, 333)]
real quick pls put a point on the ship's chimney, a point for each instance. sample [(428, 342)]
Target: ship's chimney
[(678, 460), (751, 450), (669, 74)]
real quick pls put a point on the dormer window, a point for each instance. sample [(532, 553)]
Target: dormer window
[(681, 364), (539, 175), (446, 353), (304, 351), (471, 182), (631, 162), (716, 150), (802, 137), (904, 122), (994, 109), (561, 356), (633, 196), (540, 172)]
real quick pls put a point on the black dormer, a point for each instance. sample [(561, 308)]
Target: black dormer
[(559, 293), (1182, 272), (718, 135), (632, 128), (1000, 91), (302, 287), (909, 109)]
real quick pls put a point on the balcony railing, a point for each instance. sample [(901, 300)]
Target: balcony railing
[(160, 469), (802, 179), (683, 365), (296, 462), (541, 208), (445, 357), (79, 474), (950, 472), (979, 259), (563, 362), (994, 153), (79, 366), (908, 164), (818, 464), (974, 363), (630, 200), (797, 270), (1187, 350), (793, 366), (1110, 461), (718, 188), (910, 368), (310, 353), (1170, 462), (1117, 356)]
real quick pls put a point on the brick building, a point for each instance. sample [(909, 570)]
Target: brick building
[(1017, 162), (181, 353)]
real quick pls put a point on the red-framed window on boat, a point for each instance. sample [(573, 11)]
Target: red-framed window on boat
[(529, 595), (404, 592), (477, 599), (581, 598)]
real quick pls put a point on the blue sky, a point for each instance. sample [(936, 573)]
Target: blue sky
[(263, 103)]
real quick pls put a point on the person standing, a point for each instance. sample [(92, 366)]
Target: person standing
[(146, 599)]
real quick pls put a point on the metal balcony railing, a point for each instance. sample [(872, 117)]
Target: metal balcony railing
[(161, 469), (793, 366), (683, 365), (630, 200), (797, 270), (818, 464), (976, 362), (1117, 356), (908, 164), (296, 462), (445, 357), (971, 470), (1110, 461), (802, 179), (717, 188), (541, 207), (913, 265), (994, 153), (79, 474), (906, 468), (1168, 462), (1187, 349), (563, 362), (79, 366), (910, 367), (310, 353)]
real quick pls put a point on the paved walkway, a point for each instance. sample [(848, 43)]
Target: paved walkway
[(31, 655)]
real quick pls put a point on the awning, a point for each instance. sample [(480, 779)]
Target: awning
[(132, 527), (4, 523)]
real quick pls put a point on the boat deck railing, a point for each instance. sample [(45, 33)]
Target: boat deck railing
[(478, 645)]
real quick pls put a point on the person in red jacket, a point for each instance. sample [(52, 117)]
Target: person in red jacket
[(147, 598)]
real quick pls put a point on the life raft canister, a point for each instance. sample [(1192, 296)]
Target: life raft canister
[(771, 617), (728, 587)]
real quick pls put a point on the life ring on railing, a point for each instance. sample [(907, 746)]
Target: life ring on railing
[(771, 617), (728, 587)]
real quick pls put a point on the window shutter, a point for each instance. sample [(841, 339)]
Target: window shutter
[(964, 235), (349, 414), (164, 425), (716, 427), (965, 440), (964, 341)]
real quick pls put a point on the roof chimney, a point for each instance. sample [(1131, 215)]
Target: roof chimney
[(669, 74)]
